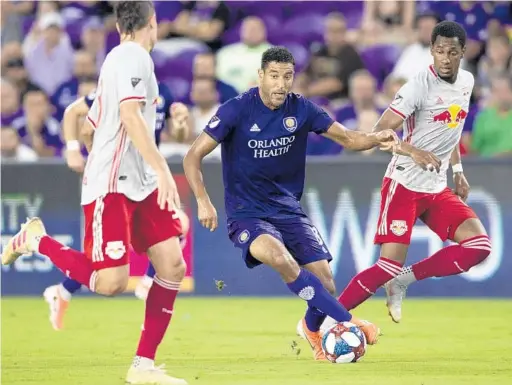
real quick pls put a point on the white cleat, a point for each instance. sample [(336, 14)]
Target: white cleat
[(58, 306), (395, 294), (142, 289), (26, 241), (145, 372), (300, 330)]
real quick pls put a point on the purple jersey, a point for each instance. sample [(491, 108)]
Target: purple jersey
[(264, 153)]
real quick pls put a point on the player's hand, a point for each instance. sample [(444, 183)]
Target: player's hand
[(207, 214), (461, 186), (179, 112), (75, 160), (168, 192), (388, 140), (426, 160)]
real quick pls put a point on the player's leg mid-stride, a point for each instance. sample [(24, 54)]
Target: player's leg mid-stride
[(446, 215), (268, 250)]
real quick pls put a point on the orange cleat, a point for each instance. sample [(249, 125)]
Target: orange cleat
[(315, 340), (371, 331), (58, 306)]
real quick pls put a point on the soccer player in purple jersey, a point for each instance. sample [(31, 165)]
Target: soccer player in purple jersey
[(263, 134)]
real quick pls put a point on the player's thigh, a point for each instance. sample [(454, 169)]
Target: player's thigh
[(261, 242), (107, 240), (152, 225), (450, 218), (323, 271), (398, 211)]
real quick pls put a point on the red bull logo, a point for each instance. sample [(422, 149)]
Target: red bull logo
[(452, 117)]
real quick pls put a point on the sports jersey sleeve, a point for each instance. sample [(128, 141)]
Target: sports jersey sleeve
[(223, 122), (408, 99), (318, 120), (132, 78)]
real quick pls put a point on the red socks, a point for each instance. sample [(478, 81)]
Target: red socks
[(159, 308), (71, 262), (366, 283), (454, 259)]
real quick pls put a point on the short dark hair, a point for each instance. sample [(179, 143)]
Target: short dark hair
[(449, 29), (278, 55), (132, 16)]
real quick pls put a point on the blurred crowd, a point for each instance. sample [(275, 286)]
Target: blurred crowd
[(351, 58)]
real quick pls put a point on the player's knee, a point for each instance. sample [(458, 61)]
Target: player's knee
[(173, 271), (477, 251), (113, 288), (282, 262)]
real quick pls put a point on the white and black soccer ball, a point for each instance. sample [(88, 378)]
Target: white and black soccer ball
[(343, 343)]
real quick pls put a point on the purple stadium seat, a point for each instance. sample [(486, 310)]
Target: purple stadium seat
[(27, 24), (112, 40), (179, 87), (305, 28), (167, 10), (74, 30), (232, 35), (380, 60)]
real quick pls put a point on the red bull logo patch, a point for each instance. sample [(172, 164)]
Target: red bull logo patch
[(452, 117)]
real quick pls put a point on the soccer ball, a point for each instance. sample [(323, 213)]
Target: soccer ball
[(344, 342)]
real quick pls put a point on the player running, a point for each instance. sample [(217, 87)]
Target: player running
[(263, 134), (169, 114), (129, 195), (431, 108)]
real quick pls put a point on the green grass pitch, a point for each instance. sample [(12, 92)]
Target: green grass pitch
[(247, 341)]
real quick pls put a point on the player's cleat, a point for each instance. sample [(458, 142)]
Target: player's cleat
[(371, 331), (315, 340), (395, 294), (58, 306), (142, 289), (26, 241), (144, 371), (300, 330), (327, 324)]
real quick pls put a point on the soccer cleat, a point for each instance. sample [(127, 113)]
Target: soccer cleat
[(142, 289), (395, 294), (315, 340), (58, 306), (147, 373), (371, 331), (26, 241), (300, 330), (327, 324)]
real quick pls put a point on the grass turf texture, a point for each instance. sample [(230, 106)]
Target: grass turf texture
[(239, 341)]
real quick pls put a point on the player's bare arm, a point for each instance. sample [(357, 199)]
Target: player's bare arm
[(202, 146), (392, 121), (460, 181), (138, 132), (360, 141), (87, 135), (70, 122)]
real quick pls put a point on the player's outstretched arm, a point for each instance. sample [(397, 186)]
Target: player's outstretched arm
[(391, 120), (360, 141), (201, 147), (72, 114)]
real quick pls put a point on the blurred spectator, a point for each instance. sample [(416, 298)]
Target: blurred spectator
[(319, 145), (93, 40), (239, 63), (417, 56), (205, 99), (363, 92), (492, 131), (201, 20), (391, 87), (331, 64), (12, 149), (366, 120), (49, 58), (84, 68), (10, 105), (87, 86), (387, 22), (11, 20), (204, 67), (13, 68), (36, 127), (497, 61)]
